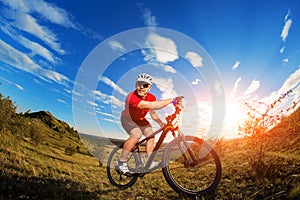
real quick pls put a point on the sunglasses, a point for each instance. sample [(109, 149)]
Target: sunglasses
[(145, 85)]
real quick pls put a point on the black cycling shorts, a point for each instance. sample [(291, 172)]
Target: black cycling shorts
[(128, 124)]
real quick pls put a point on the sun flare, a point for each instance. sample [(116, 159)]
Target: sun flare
[(234, 117)]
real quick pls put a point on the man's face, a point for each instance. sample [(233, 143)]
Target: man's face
[(142, 88)]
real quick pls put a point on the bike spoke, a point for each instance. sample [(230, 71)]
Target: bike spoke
[(115, 177)]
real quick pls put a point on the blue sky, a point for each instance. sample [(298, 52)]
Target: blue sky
[(79, 60)]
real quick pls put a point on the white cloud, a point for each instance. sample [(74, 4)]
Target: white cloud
[(47, 10), (107, 99), (21, 61), (149, 20), (113, 85), (296, 98), (77, 93), (218, 88), (111, 120), (281, 50), (99, 94), (103, 113), (252, 87), (286, 17), (115, 101), (92, 103), (168, 68), (35, 47), (19, 87), (117, 46), (11, 83), (290, 83), (236, 65), (162, 49), (67, 91), (196, 81), (286, 27), (62, 101), (30, 25), (166, 86), (52, 13), (28, 16), (16, 58), (195, 59), (52, 75), (235, 87), (197, 118), (286, 60)]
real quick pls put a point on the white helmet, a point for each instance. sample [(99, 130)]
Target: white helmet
[(144, 78)]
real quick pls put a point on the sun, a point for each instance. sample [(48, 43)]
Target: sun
[(234, 117)]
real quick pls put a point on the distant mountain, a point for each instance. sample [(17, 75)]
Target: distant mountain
[(102, 140)]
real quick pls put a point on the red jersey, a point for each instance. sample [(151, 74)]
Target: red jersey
[(131, 109)]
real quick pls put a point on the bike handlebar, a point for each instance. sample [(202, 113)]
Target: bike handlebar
[(170, 118), (177, 102)]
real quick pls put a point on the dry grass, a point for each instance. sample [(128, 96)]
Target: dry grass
[(43, 171), (35, 166)]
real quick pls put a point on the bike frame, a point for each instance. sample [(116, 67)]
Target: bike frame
[(179, 146), (169, 127)]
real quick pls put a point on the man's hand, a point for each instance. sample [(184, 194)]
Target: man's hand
[(177, 101)]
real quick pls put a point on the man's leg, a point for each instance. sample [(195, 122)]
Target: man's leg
[(150, 147), (149, 143), (135, 135)]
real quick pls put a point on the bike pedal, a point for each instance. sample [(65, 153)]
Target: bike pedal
[(118, 172), (127, 174)]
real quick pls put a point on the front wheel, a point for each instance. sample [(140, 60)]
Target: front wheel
[(183, 175)]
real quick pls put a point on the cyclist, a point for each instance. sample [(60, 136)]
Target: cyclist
[(138, 103)]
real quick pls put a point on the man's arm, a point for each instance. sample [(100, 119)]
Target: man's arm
[(154, 105), (155, 117)]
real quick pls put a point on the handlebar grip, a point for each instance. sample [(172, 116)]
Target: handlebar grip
[(177, 100), (174, 102)]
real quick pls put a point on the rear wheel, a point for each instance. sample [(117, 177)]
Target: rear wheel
[(115, 177), (180, 173)]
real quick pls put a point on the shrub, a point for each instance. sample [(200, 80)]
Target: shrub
[(70, 150), (220, 146), (256, 130), (8, 110), (35, 135)]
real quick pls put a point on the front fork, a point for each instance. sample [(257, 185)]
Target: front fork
[(185, 151)]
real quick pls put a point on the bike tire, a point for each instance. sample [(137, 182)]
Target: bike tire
[(191, 181), (119, 180)]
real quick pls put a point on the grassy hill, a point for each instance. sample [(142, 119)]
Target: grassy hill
[(42, 157), (285, 137)]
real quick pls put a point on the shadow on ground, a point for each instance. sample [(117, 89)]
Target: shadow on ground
[(14, 187)]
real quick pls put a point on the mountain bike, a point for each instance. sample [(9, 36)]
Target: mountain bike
[(189, 164)]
